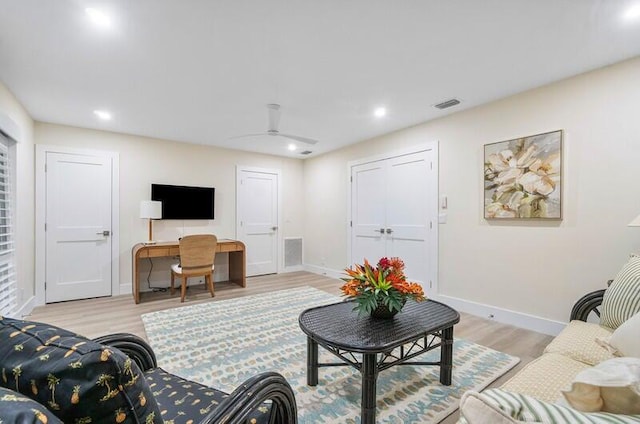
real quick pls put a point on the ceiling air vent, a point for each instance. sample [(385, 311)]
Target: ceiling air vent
[(447, 103), (306, 152)]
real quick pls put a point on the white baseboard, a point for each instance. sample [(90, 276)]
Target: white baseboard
[(26, 308), (291, 269), (505, 316), (324, 271), (126, 288)]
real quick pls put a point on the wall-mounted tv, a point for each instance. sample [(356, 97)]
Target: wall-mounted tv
[(184, 202)]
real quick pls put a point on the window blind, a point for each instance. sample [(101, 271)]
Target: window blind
[(8, 282)]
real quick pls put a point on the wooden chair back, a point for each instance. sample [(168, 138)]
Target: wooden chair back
[(197, 253)]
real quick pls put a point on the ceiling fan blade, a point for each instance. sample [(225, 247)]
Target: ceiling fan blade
[(274, 117), (247, 135), (298, 138)]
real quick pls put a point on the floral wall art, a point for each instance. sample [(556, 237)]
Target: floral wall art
[(523, 177)]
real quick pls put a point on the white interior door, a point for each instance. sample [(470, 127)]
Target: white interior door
[(78, 227), (257, 227), (393, 210), (368, 211), (408, 213)]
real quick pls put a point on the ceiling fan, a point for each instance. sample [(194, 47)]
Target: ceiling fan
[(274, 119)]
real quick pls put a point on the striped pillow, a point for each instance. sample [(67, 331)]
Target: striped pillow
[(621, 300), (522, 408)]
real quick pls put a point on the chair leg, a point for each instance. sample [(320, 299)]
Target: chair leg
[(173, 279), (184, 288), (209, 280)]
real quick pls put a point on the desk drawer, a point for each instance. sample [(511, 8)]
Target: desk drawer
[(158, 252), (228, 247)]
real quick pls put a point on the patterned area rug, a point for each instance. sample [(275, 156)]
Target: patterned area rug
[(222, 343)]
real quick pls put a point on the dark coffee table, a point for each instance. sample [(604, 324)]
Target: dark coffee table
[(419, 328)]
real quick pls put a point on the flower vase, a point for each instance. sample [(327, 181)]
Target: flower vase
[(383, 312)]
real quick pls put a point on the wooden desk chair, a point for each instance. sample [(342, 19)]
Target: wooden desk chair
[(197, 254)]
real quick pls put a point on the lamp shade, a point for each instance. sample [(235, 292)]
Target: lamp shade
[(150, 209), (635, 222)]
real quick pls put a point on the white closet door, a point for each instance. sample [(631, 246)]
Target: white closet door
[(368, 211), (393, 211), (407, 213)]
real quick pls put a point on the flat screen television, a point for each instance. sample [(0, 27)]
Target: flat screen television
[(185, 202)]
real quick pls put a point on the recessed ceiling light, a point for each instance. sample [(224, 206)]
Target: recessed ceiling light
[(380, 112), (292, 147), (98, 17), (633, 12), (102, 114)]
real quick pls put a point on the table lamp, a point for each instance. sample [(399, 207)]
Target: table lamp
[(635, 222), (150, 209)]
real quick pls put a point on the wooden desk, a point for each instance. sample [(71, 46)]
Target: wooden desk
[(235, 249)]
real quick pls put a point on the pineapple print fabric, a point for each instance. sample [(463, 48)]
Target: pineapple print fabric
[(16, 408), (80, 381), (183, 402)]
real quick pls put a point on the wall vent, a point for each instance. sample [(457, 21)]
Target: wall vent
[(292, 252), (447, 103), (306, 152)]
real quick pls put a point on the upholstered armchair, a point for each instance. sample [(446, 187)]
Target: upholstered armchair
[(50, 375)]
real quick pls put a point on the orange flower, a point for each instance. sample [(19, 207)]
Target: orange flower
[(383, 284), (397, 264)]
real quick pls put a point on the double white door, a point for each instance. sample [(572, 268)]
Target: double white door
[(393, 208)]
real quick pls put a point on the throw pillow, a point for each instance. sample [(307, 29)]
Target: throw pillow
[(625, 341), (504, 407), (621, 300), (611, 386), (77, 379), (16, 408)]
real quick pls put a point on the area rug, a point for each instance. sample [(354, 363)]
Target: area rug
[(222, 343)]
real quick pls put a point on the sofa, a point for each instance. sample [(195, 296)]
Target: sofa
[(49, 375), (552, 388)]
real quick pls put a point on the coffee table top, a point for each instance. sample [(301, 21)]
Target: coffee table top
[(340, 326)]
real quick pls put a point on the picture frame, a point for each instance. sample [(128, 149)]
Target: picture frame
[(523, 177)]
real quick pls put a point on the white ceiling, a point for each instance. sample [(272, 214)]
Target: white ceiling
[(203, 71)]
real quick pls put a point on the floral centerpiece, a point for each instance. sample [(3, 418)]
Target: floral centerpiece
[(380, 288)]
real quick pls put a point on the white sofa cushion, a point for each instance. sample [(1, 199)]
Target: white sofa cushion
[(496, 406), (621, 300), (578, 341), (545, 377)]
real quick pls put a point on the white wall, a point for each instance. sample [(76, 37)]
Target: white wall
[(537, 268), (145, 160), (12, 110)]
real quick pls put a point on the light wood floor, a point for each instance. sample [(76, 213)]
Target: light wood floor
[(96, 317)]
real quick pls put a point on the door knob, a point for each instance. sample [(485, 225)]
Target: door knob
[(381, 231), (389, 231), (104, 233), (274, 228)]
